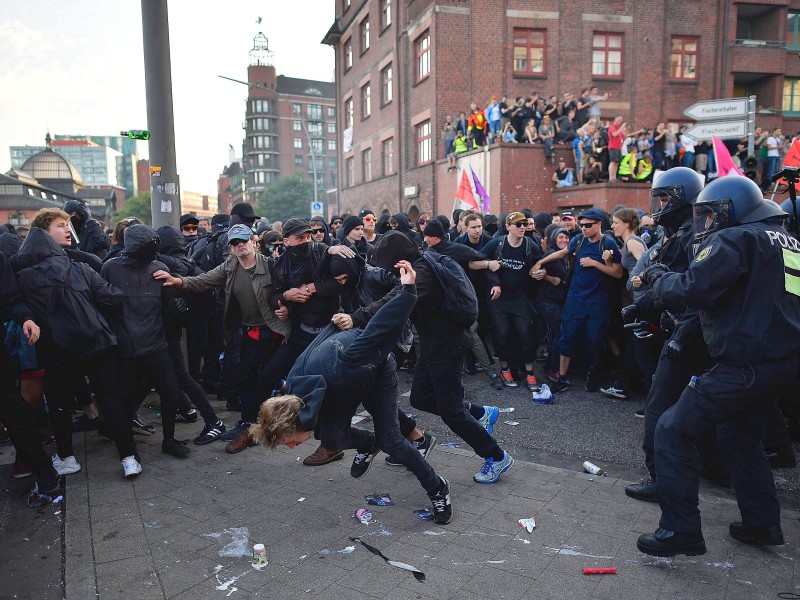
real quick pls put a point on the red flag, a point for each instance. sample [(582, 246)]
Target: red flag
[(792, 159), (725, 164), (465, 192)]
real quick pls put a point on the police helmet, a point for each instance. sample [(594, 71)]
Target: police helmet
[(786, 206), (730, 201), (673, 190)]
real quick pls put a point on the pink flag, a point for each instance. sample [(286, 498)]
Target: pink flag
[(465, 193), (725, 164), (481, 192)]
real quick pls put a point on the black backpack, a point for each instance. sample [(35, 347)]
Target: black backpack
[(210, 254), (460, 305)]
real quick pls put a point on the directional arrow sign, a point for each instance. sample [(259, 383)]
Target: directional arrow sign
[(724, 130), (728, 108)]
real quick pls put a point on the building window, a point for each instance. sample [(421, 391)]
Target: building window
[(350, 171), (314, 112), (424, 142), (386, 14), (331, 111), (296, 109), (348, 113), (298, 161), (423, 48), (363, 30), (683, 58), (366, 164), (316, 146), (387, 149), (366, 101), (298, 142), (332, 145), (386, 85), (314, 128), (791, 96), (331, 127), (793, 30), (297, 126), (348, 55), (529, 51), (607, 55)]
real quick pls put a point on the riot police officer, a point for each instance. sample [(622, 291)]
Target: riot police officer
[(745, 283), (684, 352)]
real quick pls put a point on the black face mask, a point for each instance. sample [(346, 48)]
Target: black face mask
[(301, 251), (145, 254), (189, 238), (77, 222)]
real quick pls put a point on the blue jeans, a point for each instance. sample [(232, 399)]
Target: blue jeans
[(737, 400), (583, 324), (687, 160), (772, 167)]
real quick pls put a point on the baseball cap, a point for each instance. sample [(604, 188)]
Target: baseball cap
[(189, 219), (592, 213), (516, 217), (239, 232), (244, 210), (569, 214)]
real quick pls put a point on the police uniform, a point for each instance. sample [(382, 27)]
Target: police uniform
[(745, 282)]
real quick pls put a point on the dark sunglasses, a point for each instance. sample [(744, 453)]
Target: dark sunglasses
[(368, 219), (237, 242), (586, 225), (189, 228), (423, 222), (337, 223), (520, 224), (317, 230)]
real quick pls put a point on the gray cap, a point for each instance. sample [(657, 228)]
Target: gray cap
[(295, 226), (239, 232)]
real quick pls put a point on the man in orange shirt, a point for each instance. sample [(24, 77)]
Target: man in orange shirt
[(476, 125)]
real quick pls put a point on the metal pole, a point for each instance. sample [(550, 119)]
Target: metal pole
[(313, 158), (164, 183)]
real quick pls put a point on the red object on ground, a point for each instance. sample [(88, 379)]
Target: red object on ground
[(600, 571)]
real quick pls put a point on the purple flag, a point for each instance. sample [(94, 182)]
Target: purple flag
[(480, 191)]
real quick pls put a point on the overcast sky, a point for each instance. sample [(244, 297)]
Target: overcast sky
[(77, 68)]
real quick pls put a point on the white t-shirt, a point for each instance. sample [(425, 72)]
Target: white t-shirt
[(687, 143), (773, 141)]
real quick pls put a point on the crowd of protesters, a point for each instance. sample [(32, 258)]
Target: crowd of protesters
[(93, 322), (603, 149)]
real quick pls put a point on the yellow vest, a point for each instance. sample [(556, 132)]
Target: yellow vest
[(644, 170), (628, 164), (460, 144)]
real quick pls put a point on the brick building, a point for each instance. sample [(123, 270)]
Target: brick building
[(290, 127), (401, 67)]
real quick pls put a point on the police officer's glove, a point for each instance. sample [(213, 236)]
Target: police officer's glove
[(674, 350), (629, 313), (653, 272), (177, 307), (667, 323)]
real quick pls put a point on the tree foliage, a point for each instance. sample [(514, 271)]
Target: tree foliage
[(136, 206), (287, 197)]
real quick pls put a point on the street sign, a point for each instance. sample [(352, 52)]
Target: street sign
[(726, 108), (724, 130), (316, 209)]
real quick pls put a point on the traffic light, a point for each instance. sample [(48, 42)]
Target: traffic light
[(750, 167), (136, 134)]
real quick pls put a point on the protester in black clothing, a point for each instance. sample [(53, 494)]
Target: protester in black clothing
[(548, 297), (336, 372), (353, 236), (144, 358), (319, 231), (437, 386), (66, 298), (15, 413), (189, 228), (91, 236)]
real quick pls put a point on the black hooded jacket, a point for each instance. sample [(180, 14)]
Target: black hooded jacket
[(404, 226), (43, 270), (440, 340), (139, 326), (91, 235)]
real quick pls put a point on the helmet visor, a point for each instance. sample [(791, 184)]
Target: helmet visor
[(664, 200), (711, 216)]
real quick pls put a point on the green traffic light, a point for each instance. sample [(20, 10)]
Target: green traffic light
[(137, 134)]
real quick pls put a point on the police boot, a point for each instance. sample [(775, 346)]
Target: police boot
[(645, 491), (668, 543), (769, 536)]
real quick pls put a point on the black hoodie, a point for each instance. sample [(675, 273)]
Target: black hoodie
[(65, 297), (92, 238), (139, 326)]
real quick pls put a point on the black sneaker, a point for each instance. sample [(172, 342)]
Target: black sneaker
[(639, 414), (615, 391), (442, 507), (174, 448), (139, 426), (186, 416), (210, 433), (362, 462), (423, 446), (560, 385), (591, 383), (494, 378)]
